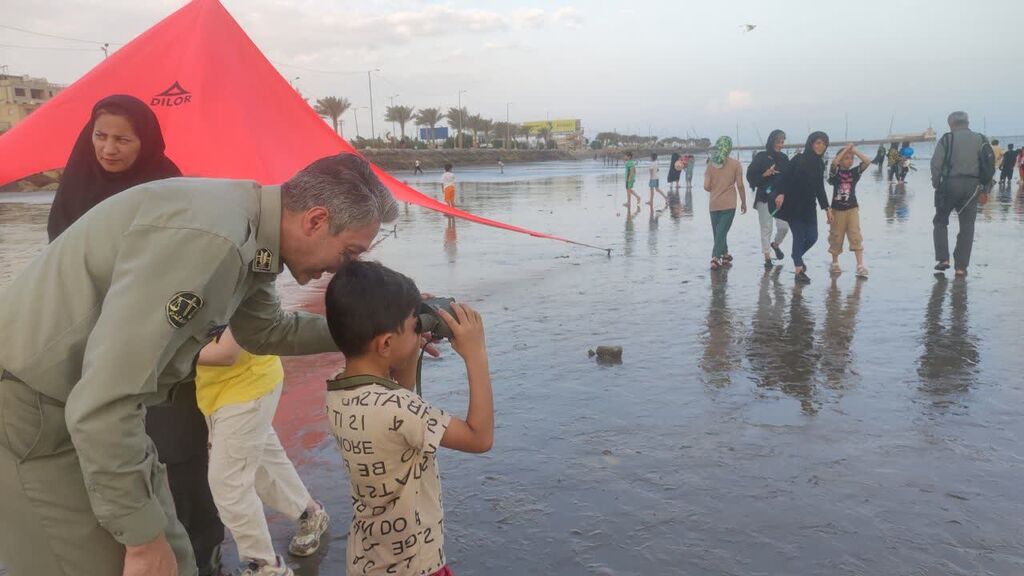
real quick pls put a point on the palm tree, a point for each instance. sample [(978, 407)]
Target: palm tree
[(457, 119), (544, 134), (486, 126), (505, 131), (333, 107), (525, 131), (400, 114), (429, 117)]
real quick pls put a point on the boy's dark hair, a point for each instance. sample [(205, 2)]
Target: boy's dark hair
[(629, 154), (448, 167), (654, 156), (365, 300)]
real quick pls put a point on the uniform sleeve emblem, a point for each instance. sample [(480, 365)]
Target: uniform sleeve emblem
[(263, 260), (182, 307)]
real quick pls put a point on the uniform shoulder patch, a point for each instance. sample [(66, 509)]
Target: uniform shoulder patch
[(263, 261), (182, 307)]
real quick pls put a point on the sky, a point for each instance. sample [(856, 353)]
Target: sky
[(667, 68)]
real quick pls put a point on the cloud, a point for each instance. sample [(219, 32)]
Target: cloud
[(734, 101), (568, 17)]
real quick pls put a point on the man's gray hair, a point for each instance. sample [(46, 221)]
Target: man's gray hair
[(958, 118), (347, 187)]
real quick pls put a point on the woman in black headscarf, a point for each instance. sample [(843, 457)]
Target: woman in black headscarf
[(762, 174), (674, 172), (802, 183), (120, 146)]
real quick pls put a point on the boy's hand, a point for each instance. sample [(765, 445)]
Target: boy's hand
[(467, 331)]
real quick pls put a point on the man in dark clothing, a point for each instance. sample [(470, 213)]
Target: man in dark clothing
[(1008, 164), (962, 168)]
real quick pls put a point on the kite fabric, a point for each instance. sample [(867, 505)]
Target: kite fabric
[(224, 109)]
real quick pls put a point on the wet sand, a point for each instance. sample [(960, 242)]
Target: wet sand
[(754, 427)]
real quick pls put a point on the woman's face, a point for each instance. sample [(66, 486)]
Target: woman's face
[(819, 147), (779, 142), (117, 145)]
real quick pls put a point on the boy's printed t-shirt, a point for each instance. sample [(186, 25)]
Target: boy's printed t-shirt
[(844, 186), (653, 169), (388, 441)]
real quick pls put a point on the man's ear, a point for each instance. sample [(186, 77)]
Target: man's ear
[(315, 219)]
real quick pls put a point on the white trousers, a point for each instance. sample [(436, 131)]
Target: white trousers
[(249, 468), (765, 219)]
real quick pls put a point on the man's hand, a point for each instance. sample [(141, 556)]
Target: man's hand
[(983, 199), (467, 332), (154, 558), (778, 201)]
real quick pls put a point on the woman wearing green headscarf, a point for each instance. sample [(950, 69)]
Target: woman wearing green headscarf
[(724, 182)]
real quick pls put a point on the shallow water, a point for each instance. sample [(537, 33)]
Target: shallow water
[(754, 427)]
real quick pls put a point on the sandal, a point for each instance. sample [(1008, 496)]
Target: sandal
[(715, 264), (727, 257), (778, 252), (862, 271), (836, 269)]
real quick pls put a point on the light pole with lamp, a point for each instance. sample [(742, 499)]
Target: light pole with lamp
[(369, 81), (461, 92), (392, 106)]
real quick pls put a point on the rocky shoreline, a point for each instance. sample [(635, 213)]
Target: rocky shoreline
[(390, 159)]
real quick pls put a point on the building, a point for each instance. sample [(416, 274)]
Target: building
[(567, 134), (20, 96)]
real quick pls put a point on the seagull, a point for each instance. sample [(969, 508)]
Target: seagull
[(748, 27)]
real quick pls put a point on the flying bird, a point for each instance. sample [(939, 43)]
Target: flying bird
[(748, 27)]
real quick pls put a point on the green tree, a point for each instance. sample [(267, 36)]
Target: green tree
[(458, 120), (429, 117), (486, 126), (400, 114), (333, 107)]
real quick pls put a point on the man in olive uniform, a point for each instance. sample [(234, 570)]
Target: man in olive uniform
[(112, 316)]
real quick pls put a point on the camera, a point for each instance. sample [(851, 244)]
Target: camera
[(428, 320)]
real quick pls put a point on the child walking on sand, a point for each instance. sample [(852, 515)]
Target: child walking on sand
[(845, 212), (630, 183), (654, 183)]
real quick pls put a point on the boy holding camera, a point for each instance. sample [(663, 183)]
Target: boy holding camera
[(388, 435)]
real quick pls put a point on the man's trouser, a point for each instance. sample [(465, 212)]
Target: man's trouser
[(179, 432), (249, 468), (47, 526), (960, 194)]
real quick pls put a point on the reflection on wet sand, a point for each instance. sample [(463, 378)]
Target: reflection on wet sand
[(896, 207), (765, 328), (451, 237), (629, 236), (720, 354), (949, 359), (837, 334)]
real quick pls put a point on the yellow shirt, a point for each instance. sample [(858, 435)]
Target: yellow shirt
[(249, 378)]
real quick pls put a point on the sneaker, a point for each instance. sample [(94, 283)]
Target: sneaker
[(778, 251), (254, 568), (862, 271), (312, 526), (942, 266)]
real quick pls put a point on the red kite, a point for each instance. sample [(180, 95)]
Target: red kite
[(224, 110)]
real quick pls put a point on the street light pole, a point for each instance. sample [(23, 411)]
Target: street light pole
[(461, 92), (369, 81), (508, 126)]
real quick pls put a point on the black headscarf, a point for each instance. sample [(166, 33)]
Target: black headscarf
[(85, 183), (761, 162)]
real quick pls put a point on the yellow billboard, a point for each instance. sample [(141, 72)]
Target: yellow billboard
[(556, 126)]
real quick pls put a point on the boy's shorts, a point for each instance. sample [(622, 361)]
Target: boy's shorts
[(449, 194), (629, 184), (845, 224), (653, 183)]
